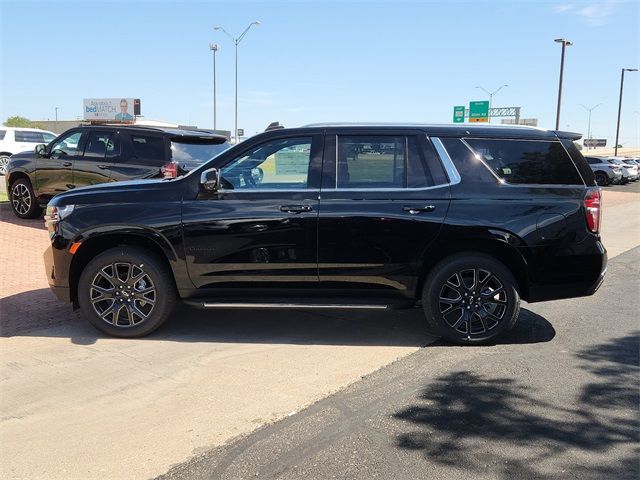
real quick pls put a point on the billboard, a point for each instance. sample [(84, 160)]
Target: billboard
[(111, 109)]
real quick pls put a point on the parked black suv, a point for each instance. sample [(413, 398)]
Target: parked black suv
[(106, 153), (463, 220)]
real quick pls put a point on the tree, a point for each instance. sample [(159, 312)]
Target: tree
[(17, 121)]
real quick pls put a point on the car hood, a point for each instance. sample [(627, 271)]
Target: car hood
[(131, 191), (23, 155)]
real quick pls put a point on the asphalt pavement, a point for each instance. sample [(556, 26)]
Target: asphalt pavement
[(558, 398)]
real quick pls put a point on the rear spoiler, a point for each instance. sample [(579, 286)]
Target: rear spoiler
[(570, 135)]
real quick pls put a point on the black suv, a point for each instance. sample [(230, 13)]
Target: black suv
[(106, 153), (462, 220)]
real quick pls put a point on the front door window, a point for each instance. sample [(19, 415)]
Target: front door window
[(276, 165)]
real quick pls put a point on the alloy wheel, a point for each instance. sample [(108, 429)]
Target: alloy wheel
[(21, 198), (122, 294), (473, 301), (4, 161)]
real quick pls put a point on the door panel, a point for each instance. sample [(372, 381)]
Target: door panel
[(54, 173), (260, 228), (376, 238), (94, 166)]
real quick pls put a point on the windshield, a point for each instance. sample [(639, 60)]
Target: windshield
[(196, 151)]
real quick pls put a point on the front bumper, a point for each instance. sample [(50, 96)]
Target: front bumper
[(57, 278)]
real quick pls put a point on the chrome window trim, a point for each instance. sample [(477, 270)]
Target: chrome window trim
[(447, 162)]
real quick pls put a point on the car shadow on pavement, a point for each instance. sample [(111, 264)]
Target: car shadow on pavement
[(38, 313), (504, 428), (7, 216)]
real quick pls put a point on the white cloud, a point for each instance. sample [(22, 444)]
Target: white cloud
[(593, 13)]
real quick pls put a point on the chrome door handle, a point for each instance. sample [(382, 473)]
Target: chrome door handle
[(295, 208), (102, 167), (417, 210)]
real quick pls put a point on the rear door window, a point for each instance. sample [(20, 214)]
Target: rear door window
[(386, 161), (2, 134), (101, 145), (527, 161)]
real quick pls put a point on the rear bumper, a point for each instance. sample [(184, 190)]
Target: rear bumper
[(569, 276)]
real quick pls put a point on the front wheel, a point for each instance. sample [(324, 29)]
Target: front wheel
[(23, 201), (470, 299), (126, 292)]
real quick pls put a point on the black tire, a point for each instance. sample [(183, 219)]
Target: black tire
[(23, 201), (136, 280), (602, 179), (478, 316)]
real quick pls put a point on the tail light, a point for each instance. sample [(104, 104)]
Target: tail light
[(169, 170), (593, 209)]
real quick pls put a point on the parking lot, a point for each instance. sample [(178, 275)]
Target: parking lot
[(97, 407)]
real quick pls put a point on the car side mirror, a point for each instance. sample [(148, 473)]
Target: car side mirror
[(40, 149), (209, 179)]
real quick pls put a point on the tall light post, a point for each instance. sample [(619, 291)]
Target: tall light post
[(214, 48), (236, 42), (589, 124), (620, 105), (565, 44), (491, 94)]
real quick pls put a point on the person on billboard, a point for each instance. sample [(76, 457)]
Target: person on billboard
[(124, 115)]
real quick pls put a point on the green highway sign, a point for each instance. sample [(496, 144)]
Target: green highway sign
[(479, 111), (458, 114)]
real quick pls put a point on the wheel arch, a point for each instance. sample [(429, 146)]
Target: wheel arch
[(494, 247), (96, 244)]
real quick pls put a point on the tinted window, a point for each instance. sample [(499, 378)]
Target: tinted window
[(526, 161), (29, 137), (67, 145), (99, 144), (196, 152), (383, 161), (279, 164), (48, 137), (593, 161), (149, 148), (2, 134)]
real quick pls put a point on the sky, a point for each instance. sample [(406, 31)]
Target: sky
[(321, 61)]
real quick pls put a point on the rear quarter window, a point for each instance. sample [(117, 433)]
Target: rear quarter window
[(2, 134), (527, 161)]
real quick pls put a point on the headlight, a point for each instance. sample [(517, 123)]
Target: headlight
[(56, 214)]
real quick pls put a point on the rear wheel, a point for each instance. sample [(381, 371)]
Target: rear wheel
[(23, 201), (126, 292), (602, 179), (470, 299)]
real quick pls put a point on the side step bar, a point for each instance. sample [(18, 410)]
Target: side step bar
[(295, 306)]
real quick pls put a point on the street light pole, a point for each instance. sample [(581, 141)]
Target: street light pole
[(620, 105), (214, 48), (236, 42), (589, 124), (491, 94), (565, 44)]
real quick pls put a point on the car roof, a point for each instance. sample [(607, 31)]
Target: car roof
[(28, 129), (466, 130), (174, 132)]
